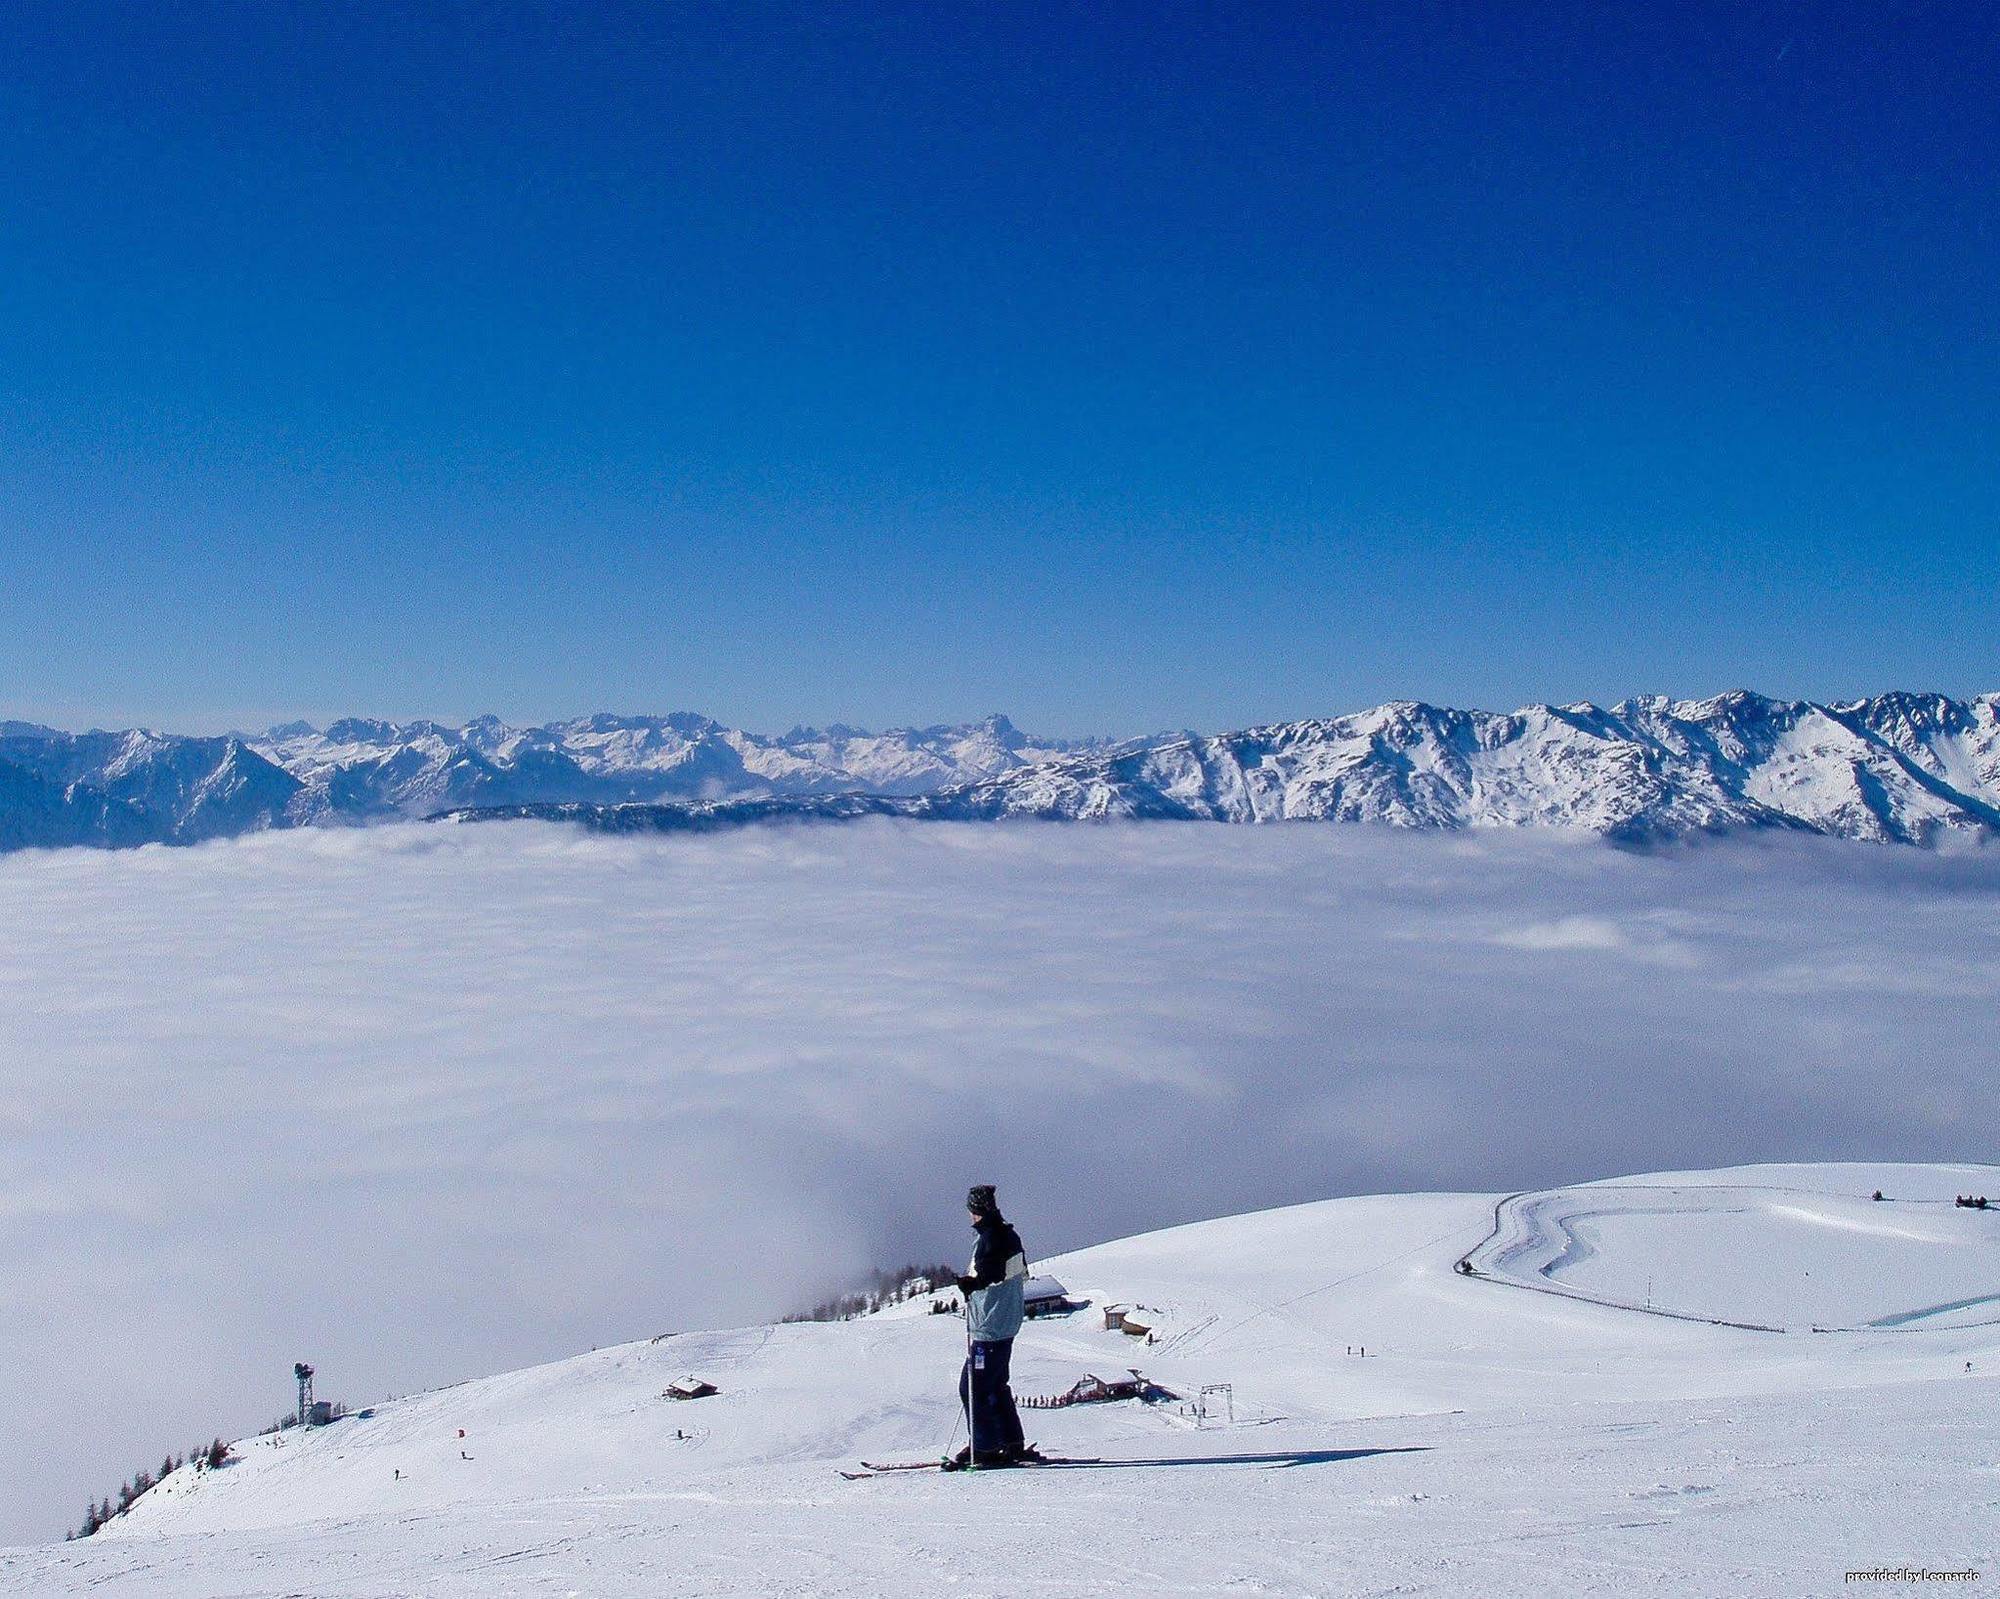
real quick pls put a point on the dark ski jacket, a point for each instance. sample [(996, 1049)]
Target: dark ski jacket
[(996, 1287)]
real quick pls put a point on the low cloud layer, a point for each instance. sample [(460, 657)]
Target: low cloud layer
[(419, 1103)]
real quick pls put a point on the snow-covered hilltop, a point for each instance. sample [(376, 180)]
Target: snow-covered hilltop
[(1749, 1381), (1898, 768)]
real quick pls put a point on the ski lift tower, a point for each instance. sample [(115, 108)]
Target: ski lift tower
[(304, 1373)]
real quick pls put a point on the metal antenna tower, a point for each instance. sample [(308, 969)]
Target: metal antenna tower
[(304, 1373)]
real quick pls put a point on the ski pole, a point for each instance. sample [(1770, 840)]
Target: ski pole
[(971, 1393)]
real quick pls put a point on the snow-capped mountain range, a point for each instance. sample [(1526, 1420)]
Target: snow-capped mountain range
[(1900, 767), (138, 787)]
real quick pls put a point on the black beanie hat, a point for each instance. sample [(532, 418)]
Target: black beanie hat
[(980, 1201)]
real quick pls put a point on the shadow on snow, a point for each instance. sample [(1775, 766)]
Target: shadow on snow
[(1285, 1457)]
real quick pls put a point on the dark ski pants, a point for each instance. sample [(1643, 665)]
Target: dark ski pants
[(988, 1401)]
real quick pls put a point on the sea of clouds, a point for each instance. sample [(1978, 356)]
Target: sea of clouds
[(423, 1102)]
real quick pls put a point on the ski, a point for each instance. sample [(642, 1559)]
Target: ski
[(870, 1468)]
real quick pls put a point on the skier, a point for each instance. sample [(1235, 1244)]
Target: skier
[(994, 1293)]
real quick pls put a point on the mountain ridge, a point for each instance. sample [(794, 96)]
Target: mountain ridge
[(1900, 767), (1897, 768)]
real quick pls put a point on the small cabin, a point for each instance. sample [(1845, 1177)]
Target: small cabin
[(1044, 1296), (689, 1388), (1132, 1327)]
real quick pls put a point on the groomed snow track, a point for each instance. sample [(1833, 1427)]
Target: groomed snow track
[(1564, 1242)]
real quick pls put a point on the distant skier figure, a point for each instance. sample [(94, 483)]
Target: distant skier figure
[(994, 1293)]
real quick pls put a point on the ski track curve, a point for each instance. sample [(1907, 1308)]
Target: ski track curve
[(1533, 1223)]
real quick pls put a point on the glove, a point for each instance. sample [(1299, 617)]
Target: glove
[(966, 1285)]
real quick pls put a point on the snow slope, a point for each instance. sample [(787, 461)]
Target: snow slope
[(1493, 1439), (1842, 1263)]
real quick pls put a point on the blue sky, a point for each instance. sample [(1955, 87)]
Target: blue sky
[(1122, 369)]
